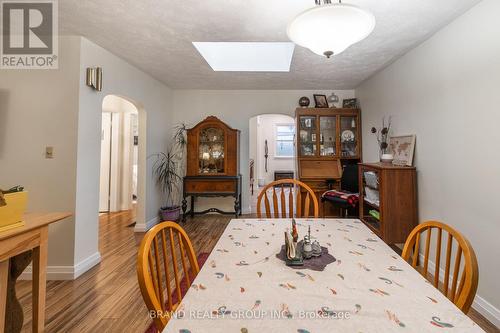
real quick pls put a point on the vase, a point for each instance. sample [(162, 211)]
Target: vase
[(386, 158)]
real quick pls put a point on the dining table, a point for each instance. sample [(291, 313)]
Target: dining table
[(358, 284)]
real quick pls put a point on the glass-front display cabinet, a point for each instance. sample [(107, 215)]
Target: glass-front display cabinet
[(328, 133), (327, 139), (212, 165)]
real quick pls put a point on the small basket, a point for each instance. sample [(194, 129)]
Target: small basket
[(11, 215)]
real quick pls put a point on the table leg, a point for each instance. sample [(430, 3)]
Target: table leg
[(39, 282), (4, 275)]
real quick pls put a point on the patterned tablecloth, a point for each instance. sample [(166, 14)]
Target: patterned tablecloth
[(243, 287)]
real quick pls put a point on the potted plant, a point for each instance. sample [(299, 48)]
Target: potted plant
[(169, 170)]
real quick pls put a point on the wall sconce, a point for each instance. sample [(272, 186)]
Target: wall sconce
[(94, 78)]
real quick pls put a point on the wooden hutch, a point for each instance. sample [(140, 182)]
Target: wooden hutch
[(327, 139), (213, 154), (388, 200)]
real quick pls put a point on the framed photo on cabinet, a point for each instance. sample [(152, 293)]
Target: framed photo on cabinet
[(320, 101)]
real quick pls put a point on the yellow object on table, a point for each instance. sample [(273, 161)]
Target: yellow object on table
[(11, 215)]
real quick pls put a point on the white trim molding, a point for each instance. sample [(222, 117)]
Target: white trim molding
[(145, 227), (65, 272), (86, 264), (485, 308)]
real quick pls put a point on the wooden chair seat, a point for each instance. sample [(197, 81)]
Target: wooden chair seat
[(282, 207), (161, 273), (461, 287)]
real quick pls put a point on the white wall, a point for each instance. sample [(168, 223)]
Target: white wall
[(39, 108), (446, 91), (236, 107), (153, 100)]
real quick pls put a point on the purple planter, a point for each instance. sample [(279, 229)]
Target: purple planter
[(170, 213)]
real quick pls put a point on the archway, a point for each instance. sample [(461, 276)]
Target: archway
[(277, 133), (123, 156)]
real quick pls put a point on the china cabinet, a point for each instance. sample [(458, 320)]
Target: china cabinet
[(326, 140), (212, 165), (388, 200)]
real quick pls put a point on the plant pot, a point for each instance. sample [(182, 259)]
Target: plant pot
[(170, 213)]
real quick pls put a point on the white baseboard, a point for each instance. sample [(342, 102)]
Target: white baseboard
[(246, 210), (145, 227), (487, 310), (86, 264), (481, 305), (65, 272)]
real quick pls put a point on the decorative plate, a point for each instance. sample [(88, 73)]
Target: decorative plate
[(347, 135)]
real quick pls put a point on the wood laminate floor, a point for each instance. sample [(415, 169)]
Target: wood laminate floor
[(107, 297)]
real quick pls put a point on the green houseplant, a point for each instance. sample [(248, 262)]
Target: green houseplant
[(169, 169)]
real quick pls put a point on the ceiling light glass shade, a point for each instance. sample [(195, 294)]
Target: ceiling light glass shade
[(331, 28)]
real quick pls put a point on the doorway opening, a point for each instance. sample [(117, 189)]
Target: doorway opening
[(271, 152), (119, 169)]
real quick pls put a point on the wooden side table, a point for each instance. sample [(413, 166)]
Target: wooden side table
[(14, 244)]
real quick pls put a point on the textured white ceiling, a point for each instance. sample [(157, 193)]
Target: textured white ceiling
[(156, 36)]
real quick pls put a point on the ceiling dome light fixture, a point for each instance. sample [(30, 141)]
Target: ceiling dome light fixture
[(329, 29)]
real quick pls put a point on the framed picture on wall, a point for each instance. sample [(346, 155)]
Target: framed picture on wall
[(402, 148)]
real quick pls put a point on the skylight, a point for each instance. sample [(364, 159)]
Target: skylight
[(247, 56)]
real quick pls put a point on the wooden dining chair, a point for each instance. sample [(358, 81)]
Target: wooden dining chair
[(461, 289), (282, 207), (166, 267)]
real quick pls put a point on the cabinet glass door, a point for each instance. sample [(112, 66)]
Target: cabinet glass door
[(211, 151), (327, 136), (349, 136), (307, 133)]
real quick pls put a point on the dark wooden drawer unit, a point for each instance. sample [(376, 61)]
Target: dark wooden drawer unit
[(209, 184)]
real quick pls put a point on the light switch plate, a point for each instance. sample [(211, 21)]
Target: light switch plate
[(49, 152)]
